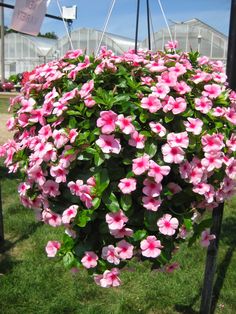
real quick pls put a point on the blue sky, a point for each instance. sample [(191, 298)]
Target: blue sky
[(92, 14)]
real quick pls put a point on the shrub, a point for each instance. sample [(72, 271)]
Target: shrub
[(127, 152)]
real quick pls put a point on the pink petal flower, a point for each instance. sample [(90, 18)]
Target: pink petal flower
[(206, 237), (109, 144), (125, 124), (127, 185), (69, 214), (158, 128), (110, 254), (89, 260), (151, 247), (52, 247), (116, 221), (167, 225), (193, 125), (140, 165), (172, 154), (107, 121), (125, 249), (151, 103)]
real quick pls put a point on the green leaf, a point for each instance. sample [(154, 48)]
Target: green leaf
[(121, 98), (126, 202), (188, 224), (70, 152), (143, 117), (139, 235), (84, 217), (102, 180), (99, 159), (168, 117), (72, 113), (96, 202), (73, 123), (151, 149), (68, 259), (111, 202)]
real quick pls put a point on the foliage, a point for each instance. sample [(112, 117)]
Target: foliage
[(127, 152)]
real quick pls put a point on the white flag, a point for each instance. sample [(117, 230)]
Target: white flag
[(28, 16)]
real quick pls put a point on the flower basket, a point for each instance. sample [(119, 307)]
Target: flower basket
[(129, 153)]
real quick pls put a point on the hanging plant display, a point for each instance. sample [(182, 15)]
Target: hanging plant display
[(128, 153)]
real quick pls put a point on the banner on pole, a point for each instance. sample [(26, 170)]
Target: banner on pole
[(28, 16)]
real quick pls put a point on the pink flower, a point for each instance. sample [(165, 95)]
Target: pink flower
[(195, 175), (168, 78), (75, 187), (59, 173), (201, 188), (72, 135), (150, 203), (151, 103), (51, 218), (127, 185), (177, 105), (231, 143), (137, 140), (160, 90), (212, 143), (60, 138), (86, 88), (109, 144), (124, 232), (35, 173), (108, 279), (212, 161), (89, 260), (89, 101), (203, 104), (52, 247), (174, 187), (179, 69), (45, 132), (125, 124), (158, 128), (107, 121), (69, 214), (182, 88), (184, 169), (110, 253), (151, 247), (151, 188), (178, 139), (167, 225), (116, 221), (193, 125), (206, 237), (231, 168), (172, 154), (171, 45), (23, 187), (212, 91), (51, 188), (230, 115), (157, 172), (125, 249), (140, 165)]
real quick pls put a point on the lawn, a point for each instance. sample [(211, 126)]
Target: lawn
[(32, 283), (4, 103)]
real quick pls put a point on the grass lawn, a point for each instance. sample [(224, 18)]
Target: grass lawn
[(32, 283), (4, 104)]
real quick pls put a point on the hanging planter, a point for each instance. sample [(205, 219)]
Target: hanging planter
[(129, 153)]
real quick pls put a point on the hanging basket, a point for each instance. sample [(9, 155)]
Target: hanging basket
[(129, 153)]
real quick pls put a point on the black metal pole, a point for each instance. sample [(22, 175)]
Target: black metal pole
[(211, 259), (231, 56), (148, 26), (136, 29)]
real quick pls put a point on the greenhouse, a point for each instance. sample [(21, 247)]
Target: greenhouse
[(24, 52), (193, 34)]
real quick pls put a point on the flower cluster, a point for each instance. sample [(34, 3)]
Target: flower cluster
[(129, 153)]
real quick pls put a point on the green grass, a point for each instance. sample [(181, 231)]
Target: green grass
[(32, 283), (4, 103)]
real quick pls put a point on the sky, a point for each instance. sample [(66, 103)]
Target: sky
[(93, 14)]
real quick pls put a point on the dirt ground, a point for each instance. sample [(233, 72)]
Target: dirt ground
[(4, 133)]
